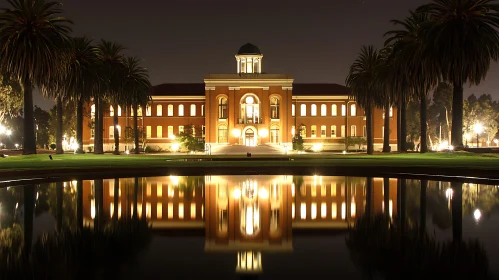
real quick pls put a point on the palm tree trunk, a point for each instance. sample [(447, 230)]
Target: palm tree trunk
[(59, 195), (79, 204), (116, 198), (99, 123), (369, 197), (403, 206), (99, 204), (424, 125), (386, 131), (403, 127), (79, 126), (457, 116), (29, 210), (369, 128), (457, 211), (399, 134), (58, 131), (135, 129), (386, 198), (29, 142), (135, 197), (116, 130)]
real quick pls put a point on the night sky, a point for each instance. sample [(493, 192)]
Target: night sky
[(181, 41)]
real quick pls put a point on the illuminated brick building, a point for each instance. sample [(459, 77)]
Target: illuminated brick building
[(249, 107)]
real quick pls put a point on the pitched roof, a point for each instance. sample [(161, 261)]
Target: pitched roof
[(176, 89), (320, 89)]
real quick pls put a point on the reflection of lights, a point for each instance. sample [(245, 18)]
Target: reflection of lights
[(477, 215), (353, 208), (448, 193), (174, 179), (236, 194), (263, 193), (92, 208)]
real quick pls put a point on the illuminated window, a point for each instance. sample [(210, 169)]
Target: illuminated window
[(323, 210), (159, 131), (180, 129), (323, 110), (353, 110), (303, 110), (159, 110), (353, 130), (148, 210), (334, 110), (303, 211), (342, 131), (323, 190), (391, 112), (148, 189), (181, 110), (343, 110), (139, 111), (313, 190), (170, 131), (170, 110), (333, 189), (159, 211), (293, 210), (274, 108), (292, 110), (92, 111), (222, 134), (303, 131), (353, 209), (383, 132), (343, 210), (148, 110), (193, 110), (333, 131), (323, 131), (181, 210), (314, 131), (111, 111), (313, 110), (274, 134), (148, 131), (170, 210), (171, 191), (193, 210), (222, 108), (313, 211), (334, 210), (159, 190), (202, 110)]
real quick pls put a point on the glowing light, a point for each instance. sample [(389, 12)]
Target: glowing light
[(317, 147), (478, 128), (174, 180), (92, 208), (263, 132), (236, 132), (477, 215), (448, 193), (263, 193), (2, 129), (496, 141), (236, 194), (8, 132), (175, 147), (127, 152), (467, 136), (344, 152), (172, 137), (17, 146)]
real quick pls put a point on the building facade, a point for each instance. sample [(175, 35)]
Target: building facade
[(248, 108)]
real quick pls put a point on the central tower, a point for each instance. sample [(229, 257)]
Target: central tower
[(249, 59)]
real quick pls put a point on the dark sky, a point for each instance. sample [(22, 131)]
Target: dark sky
[(181, 41)]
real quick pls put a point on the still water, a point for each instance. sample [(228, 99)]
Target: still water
[(257, 226)]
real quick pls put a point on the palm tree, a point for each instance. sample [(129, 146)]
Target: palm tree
[(111, 57), (32, 33), (463, 36), (82, 78), (137, 86), (411, 53), (365, 89)]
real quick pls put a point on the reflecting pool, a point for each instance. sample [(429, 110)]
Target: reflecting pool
[(251, 226)]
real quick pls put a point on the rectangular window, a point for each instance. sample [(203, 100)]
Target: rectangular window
[(323, 210), (111, 111), (323, 131), (314, 131), (148, 110), (313, 211), (180, 129), (313, 110), (334, 110), (222, 134), (364, 133), (170, 132), (203, 131), (159, 190), (303, 131), (353, 130), (292, 110), (342, 131), (333, 131), (148, 131), (193, 110), (293, 131), (353, 110), (303, 211), (343, 110), (383, 132), (111, 132), (391, 112), (159, 131), (202, 110), (159, 210), (139, 111), (334, 210)]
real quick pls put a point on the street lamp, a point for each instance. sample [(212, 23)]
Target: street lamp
[(236, 132), (478, 129), (468, 137)]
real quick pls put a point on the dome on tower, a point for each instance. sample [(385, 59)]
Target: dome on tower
[(249, 49)]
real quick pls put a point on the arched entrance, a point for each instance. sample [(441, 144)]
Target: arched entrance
[(249, 137)]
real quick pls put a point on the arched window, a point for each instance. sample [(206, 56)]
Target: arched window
[(334, 110), (111, 111), (343, 110), (333, 131), (274, 108), (159, 110), (293, 110), (323, 110), (139, 111), (303, 110), (250, 109), (222, 108), (181, 110), (119, 111), (353, 110), (159, 131), (313, 110), (148, 110), (170, 110), (193, 110), (303, 131), (391, 111), (222, 134), (313, 133), (323, 131)]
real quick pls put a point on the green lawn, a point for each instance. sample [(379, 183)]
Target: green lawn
[(71, 161)]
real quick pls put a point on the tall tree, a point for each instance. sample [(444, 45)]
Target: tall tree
[(32, 33), (137, 86), (111, 57), (12, 98), (463, 36), (42, 122), (82, 78), (441, 109), (365, 89)]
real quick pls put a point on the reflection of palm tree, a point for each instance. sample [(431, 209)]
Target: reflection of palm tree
[(29, 211)]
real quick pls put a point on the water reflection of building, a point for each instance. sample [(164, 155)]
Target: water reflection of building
[(246, 215)]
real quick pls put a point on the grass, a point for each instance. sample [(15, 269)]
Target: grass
[(91, 161)]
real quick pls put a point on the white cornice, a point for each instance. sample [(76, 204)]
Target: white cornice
[(177, 97), (287, 88), (209, 88), (234, 88)]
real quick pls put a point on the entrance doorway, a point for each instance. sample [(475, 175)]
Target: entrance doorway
[(249, 138)]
